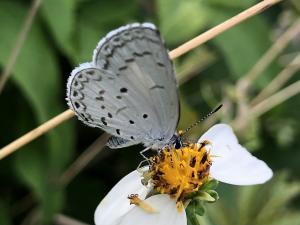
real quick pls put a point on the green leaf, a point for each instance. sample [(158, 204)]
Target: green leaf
[(37, 75), (32, 168), (95, 20), (210, 185), (194, 209), (205, 196), (188, 17), (280, 194), (60, 17), (190, 65), (4, 214), (290, 218), (231, 3), (213, 194), (266, 204), (190, 115)]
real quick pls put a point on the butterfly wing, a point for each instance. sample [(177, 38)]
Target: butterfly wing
[(136, 98), (118, 142)]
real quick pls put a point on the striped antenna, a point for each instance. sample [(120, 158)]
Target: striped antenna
[(204, 118)]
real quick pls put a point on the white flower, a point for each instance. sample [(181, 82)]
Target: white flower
[(231, 163)]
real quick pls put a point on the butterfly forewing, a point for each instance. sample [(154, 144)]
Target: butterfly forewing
[(136, 97)]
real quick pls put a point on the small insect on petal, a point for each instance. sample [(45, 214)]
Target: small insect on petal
[(134, 199), (167, 213)]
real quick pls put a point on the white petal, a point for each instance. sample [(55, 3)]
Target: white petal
[(116, 204), (167, 213), (234, 164)]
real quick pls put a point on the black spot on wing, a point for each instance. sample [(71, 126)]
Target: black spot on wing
[(90, 72), (100, 98), (157, 86), (103, 121), (160, 64), (129, 60), (120, 110), (85, 117), (123, 90), (122, 68)]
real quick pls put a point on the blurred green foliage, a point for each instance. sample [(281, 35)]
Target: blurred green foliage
[(64, 34)]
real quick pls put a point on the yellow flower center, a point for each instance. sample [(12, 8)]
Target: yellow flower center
[(180, 172)]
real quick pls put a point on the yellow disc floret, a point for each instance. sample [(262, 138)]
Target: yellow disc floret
[(180, 172)]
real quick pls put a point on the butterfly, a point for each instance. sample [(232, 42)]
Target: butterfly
[(129, 89)]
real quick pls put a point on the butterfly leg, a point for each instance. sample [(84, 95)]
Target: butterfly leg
[(143, 151), (145, 157), (141, 163)]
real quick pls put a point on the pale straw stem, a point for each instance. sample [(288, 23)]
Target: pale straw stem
[(279, 80), (5, 151), (30, 136), (275, 99), (273, 52), (19, 43), (210, 34), (60, 219)]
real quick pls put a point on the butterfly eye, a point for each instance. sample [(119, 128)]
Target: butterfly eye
[(177, 143)]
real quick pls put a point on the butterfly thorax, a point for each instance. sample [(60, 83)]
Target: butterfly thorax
[(175, 142)]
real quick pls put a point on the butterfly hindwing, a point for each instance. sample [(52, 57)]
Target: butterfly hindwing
[(118, 142)]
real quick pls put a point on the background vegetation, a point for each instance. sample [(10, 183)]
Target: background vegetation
[(38, 183)]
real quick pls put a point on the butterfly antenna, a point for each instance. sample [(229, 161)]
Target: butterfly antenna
[(204, 118)]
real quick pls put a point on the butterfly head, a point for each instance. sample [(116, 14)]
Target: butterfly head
[(177, 140)]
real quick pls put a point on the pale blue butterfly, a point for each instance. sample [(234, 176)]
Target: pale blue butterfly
[(129, 89)]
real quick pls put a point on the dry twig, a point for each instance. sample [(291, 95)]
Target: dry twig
[(278, 81), (275, 99), (272, 53), (19, 43), (86, 156), (242, 87), (25, 139), (61, 219)]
